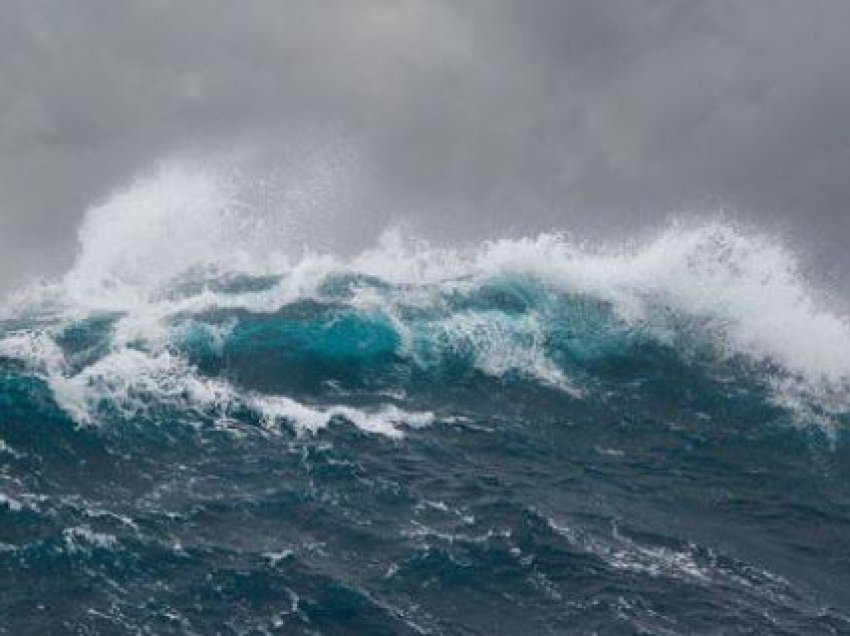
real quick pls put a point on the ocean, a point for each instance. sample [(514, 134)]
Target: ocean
[(203, 435)]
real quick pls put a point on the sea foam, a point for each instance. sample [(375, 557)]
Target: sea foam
[(742, 290)]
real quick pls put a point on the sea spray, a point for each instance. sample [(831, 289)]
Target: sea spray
[(650, 436)]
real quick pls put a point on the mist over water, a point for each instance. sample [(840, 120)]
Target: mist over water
[(546, 116), (227, 417)]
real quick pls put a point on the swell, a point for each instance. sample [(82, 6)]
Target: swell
[(382, 354), (181, 296)]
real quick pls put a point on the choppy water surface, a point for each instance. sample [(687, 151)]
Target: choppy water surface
[(523, 437)]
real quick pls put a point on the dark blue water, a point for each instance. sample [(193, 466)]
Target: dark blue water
[(506, 456)]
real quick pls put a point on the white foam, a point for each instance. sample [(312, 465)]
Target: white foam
[(688, 563), (501, 344), (134, 381), (745, 289), (385, 420), (35, 348), (11, 503), (84, 539)]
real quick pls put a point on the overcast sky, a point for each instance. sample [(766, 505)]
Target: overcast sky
[(473, 117)]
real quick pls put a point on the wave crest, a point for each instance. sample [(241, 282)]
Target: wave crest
[(197, 303)]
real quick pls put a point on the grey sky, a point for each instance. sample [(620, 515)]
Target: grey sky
[(478, 117)]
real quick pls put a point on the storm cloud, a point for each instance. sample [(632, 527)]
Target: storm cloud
[(473, 118)]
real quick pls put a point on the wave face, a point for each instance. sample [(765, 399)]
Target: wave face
[(200, 434)]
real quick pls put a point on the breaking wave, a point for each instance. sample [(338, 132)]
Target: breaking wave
[(188, 313), (179, 295)]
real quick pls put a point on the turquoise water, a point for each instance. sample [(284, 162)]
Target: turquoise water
[(572, 444)]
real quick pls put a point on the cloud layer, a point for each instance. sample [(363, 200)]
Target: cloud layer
[(473, 118)]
